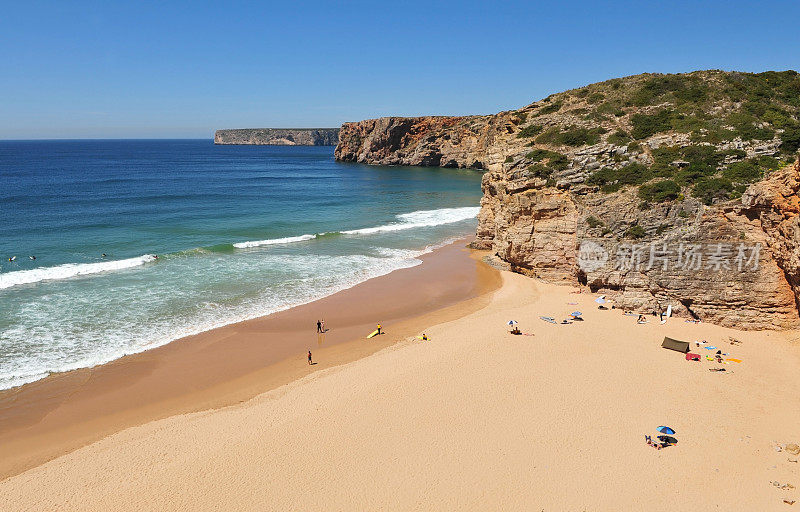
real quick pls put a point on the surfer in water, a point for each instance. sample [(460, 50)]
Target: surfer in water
[(12, 258), (103, 255), (32, 257)]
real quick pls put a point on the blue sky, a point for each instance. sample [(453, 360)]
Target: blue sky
[(152, 69)]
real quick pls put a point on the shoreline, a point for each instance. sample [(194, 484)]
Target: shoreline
[(473, 419), (53, 416)]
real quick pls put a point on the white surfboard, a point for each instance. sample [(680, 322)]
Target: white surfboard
[(667, 314)]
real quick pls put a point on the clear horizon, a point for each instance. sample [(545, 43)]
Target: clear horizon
[(152, 71)]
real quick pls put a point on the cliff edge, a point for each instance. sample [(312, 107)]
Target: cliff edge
[(279, 136), (653, 189)]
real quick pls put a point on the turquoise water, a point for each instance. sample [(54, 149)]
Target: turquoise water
[(239, 231)]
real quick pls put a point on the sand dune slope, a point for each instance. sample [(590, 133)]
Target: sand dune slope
[(474, 419)]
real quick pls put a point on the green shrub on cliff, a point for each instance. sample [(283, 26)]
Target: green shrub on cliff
[(558, 161), (538, 154), (596, 98), (539, 171), (645, 125), (549, 136), (530, 131), (611, 180), (619, 137), (571, 136), (594, 222), (791, 139), (660, 191), (554, 159), (709, 189), (743, 172), (550, 109), (636, 231), (749, 171)]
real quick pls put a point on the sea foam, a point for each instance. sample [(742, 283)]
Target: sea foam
[(69, 270), (421, 219), (412, 220), (274, 241)]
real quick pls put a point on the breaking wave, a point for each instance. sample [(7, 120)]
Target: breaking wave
[(69, 270)]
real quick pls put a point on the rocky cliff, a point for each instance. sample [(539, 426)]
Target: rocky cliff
[(279, 136), (654, 189)]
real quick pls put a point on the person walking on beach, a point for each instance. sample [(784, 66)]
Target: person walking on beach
[(309, 357), (319, 326)]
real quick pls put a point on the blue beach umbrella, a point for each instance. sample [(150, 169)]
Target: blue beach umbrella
[(576, 313), (665, 430), (512, 322)]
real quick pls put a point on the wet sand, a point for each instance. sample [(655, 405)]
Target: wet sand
[(473, 419), (51, 417)]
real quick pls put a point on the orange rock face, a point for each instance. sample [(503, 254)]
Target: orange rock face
[(735, 262)]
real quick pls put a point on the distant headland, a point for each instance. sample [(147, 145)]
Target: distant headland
[(279, 136)]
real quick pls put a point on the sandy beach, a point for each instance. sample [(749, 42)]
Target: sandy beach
[(475, 418), (65, 411)]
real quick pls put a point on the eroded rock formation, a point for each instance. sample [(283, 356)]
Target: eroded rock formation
[(656, 189), (278, 136)]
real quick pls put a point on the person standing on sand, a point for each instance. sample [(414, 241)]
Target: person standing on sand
[(379, 329), (323, 325), (319, 326), (309, 357)]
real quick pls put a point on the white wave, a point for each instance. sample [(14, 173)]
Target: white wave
[(422, 219), (274, 241), (65, 353), (69, 270)]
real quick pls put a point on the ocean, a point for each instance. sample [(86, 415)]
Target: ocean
[(195, 236)]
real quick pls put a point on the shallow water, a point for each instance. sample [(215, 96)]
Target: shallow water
[(239, 231)]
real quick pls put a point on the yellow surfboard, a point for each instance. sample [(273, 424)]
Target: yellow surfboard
[(373, 333)]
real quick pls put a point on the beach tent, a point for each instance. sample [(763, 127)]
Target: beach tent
[(678, 346), (601, 299)]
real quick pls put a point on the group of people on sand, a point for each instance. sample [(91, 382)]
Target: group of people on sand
[(655, 444), (322, 330)]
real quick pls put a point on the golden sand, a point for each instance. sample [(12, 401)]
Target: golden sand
[(473, 419)]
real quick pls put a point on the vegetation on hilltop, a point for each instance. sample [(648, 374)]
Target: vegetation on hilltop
[(706, 133)]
